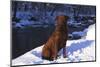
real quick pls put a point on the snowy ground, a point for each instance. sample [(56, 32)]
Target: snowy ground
[(77, 50)]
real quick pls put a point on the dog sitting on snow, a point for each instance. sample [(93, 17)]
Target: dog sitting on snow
[(57, 40)]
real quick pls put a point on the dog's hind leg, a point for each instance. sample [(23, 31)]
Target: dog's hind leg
[(45, 53)]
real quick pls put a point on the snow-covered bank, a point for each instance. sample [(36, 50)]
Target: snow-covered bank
[(77, 50)]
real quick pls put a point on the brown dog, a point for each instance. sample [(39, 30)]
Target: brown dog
[(57, 40)]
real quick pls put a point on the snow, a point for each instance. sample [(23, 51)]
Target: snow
[(24, 15), (24, 23), (77, 50), (80, 33)]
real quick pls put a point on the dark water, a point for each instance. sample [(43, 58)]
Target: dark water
[(26, 39)]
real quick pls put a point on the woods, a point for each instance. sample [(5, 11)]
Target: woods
[(45, 12)]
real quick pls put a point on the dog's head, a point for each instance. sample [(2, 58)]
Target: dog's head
[(60, 20)]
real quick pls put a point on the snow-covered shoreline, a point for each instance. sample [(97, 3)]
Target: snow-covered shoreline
[(77, 50)]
